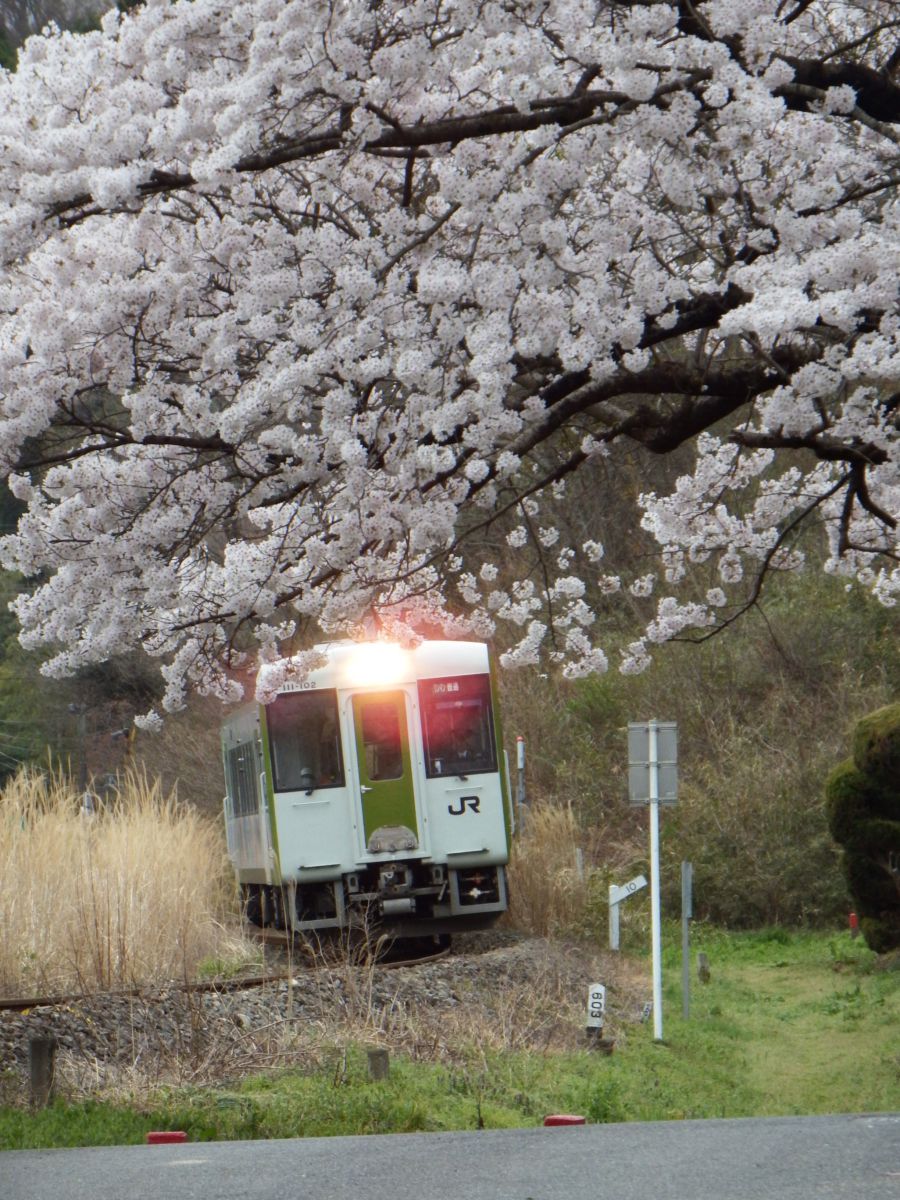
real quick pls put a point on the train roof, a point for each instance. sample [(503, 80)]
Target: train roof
[(381, 664)]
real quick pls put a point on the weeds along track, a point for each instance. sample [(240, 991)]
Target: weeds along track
[(511, 993), (283, 960)]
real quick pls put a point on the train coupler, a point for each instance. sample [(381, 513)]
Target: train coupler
[(394, 879)]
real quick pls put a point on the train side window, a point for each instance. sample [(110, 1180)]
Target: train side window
[(243, 785), (305, 742), (382, 738), (458, 726)]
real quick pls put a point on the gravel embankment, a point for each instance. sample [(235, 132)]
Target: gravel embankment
[(528, 990)]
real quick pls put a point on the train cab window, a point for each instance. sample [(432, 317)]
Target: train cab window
[(381, 736), (305, 742), (458, 725)]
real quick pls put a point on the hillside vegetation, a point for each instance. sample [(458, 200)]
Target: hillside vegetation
[(764, 713)]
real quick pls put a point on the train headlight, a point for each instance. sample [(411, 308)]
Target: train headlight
[(375, 663)]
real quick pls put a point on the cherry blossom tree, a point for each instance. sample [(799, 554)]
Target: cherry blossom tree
[(299, 297)]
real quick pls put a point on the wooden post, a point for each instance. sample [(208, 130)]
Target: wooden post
[(379, 1064), (41, 1053)]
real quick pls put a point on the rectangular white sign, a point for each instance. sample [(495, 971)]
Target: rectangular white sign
[(665, 762)]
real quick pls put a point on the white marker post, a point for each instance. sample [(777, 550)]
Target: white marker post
[(596, 1011), (644, 779), (616, 896)]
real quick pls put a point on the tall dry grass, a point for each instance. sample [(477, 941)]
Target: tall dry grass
[(548, 894), (131, 894), (560, 871)]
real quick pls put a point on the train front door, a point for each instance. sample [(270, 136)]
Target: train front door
[(384, 767)]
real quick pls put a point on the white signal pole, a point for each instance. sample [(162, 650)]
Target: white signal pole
[(653, 780), (655, 921)]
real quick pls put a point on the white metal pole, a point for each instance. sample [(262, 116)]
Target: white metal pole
[(655, 922)]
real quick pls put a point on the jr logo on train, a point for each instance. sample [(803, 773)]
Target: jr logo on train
[(376, 787)]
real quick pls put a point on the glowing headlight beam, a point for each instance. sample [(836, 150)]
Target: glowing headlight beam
[(374, 664)]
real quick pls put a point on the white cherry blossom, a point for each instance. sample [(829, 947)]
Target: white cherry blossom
[(300, 301)]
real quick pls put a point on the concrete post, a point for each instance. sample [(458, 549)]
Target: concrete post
[(41, 1055), (379, 1064)]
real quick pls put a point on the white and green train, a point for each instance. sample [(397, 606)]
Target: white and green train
[(376, 787)]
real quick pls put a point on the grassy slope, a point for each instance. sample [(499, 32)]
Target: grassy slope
[(790, 1023)]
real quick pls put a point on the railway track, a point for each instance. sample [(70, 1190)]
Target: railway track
[(304, 958)]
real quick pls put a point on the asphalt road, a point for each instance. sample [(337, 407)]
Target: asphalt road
[(796, 1158)]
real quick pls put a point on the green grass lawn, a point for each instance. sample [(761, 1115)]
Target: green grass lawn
[(806, 1022), (790, 1023)]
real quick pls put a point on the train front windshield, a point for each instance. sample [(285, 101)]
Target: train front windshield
[(304, 737), (458, 725)]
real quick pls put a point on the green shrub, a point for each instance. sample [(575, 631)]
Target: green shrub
[(876, 750), (863, 801), (849, 799)]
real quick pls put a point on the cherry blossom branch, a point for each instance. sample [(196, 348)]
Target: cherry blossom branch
[(878, 103), (764, 571)]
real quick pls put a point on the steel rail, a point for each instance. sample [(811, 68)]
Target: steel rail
[(236, 984)]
